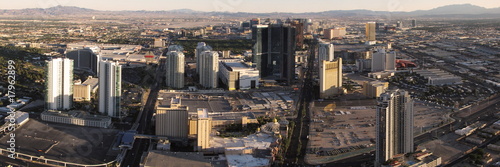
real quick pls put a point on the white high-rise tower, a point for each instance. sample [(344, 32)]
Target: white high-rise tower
[(59, 84), (209, 67), (110, 76), (175, 69)]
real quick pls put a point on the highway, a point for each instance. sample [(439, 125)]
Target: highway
[(132, 158), (301, 130)]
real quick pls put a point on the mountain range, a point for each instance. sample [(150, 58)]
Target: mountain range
[(465, 10)]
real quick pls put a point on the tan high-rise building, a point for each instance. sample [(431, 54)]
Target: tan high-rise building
[(172, 121), (330, 78), (370, 31), (331, 33), (375, 88), (203, 128)]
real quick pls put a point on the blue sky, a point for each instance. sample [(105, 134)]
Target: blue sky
[(247, 5)]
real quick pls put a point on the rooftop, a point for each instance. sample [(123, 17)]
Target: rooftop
[(165, 159)]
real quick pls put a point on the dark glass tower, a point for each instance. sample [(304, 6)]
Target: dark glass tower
[(274, 51)]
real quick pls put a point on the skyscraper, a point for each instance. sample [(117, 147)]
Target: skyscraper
[(209, 67), (202, 46), (326, 51), (370, 31), (330, 78), (383, 61), (172, 121), (274, 51), (85, 59), (175, 69), (177, 48), (110, 84), (399, 24), (299, 31), (394, 125), (413, 23), (204, 126), (59, 84)]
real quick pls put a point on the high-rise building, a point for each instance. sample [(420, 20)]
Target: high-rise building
[(254, 21), (59, 84), (172, 121), (325, 52), (374, 89), (203, 128), (226, 54), (274, 51), (413, 23), (202, 46), (85, 59), (209, 67), (379, 26), (370, 31), (110, 84), (394, 125), (175, 69), (159, 42), (330, 78), (177, 48), (299, 32), (383, 61), (399, 24), (337, 32)]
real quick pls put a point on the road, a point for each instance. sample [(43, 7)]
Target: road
[(484, 108), (132, 158), (301, 130)]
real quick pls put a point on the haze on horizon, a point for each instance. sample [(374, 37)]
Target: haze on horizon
[(253, 6)]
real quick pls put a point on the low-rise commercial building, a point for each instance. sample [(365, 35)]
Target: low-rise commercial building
[(375, 88), (76, 118), (83, 91), (237, 75)]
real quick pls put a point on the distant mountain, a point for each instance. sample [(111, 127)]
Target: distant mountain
[(56, 10), (466, 10), (457, 9)]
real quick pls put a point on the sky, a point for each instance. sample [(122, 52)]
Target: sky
[(254, 6)]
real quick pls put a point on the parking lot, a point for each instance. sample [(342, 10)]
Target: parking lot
[(339, 127), (64, 142), (349, 124)]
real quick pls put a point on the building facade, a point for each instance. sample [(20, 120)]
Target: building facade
[(234, 74), (274, 51), (209, 68), (370, 31), (172, 121), (375, 88), (59, 84), (110, 83), (84, 91), (383, 61), (202, 47), (330, 78), (85, 59), (394, 125), (76, 118), (175, 69), (325, 52), (204, 126)]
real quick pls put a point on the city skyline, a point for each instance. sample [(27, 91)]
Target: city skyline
[(293, 6)]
